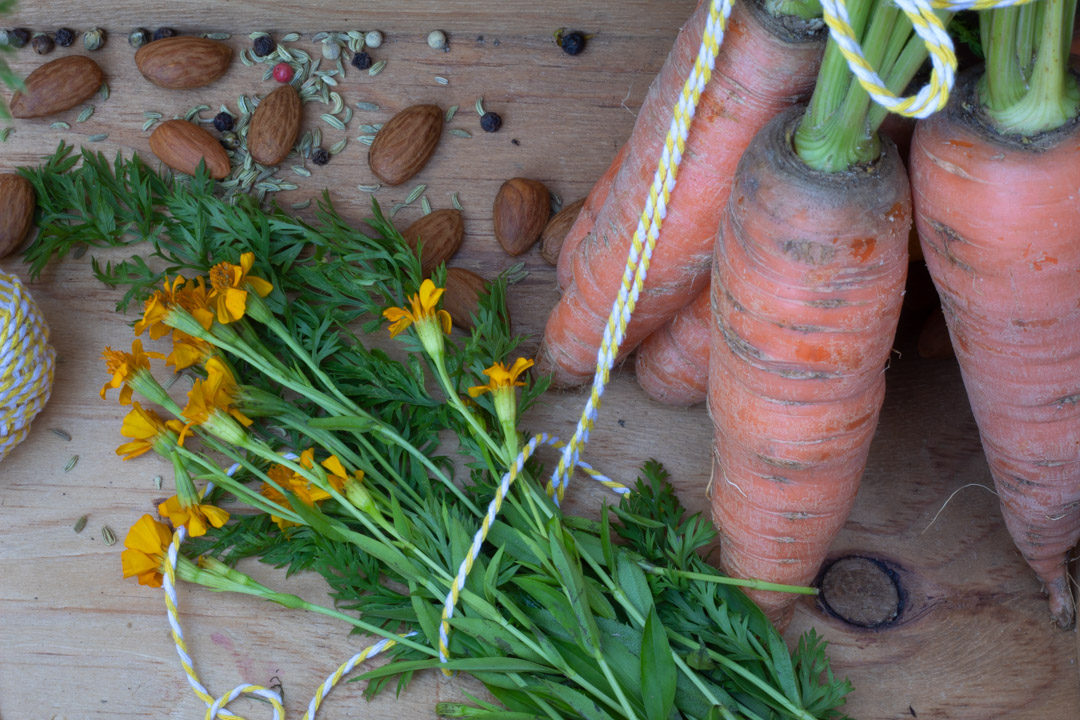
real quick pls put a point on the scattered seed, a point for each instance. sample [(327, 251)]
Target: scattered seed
[(245, 58), (71, 463), (425, 206), (291, 37), (339, 104), (416, 192), (107, 535), (370, 129), (93, 39), (148, 124), (316, 137), (98, 138), (339, 146), (195, 111), (5, 133), (556, 202), (301, 205), (368, 188), (60, 125), (455, 202), (333, 122), (490, 122), (377, 68), (436, 40), (366, 106), (441, 80), (320, 156), (373, 38), (139, 37), (65, 37), (320, 36), (60, 434), (331, 50), (366, 139), (151, 115), (42, 44), (460, 132), (79, 251), (397, 208), (157, 481), (104, 91), (450, 112), (85, 114), (348, 115), (79, 525), (480, 106), (242, 103), (301, 171), (217, 35), (165, 32)]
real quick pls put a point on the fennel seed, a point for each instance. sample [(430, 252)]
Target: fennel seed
[(425, 206), (79, 524), (460, 132), (5, 133), (60, 434), (338, 146), (302, 204), (366, 106), (450, 112), (441, 80), (60, 125), (339, 103), (301, 171), (107, 535), (455, 202), (157, 481), (366, 139), (333, 122), (368, 188), (376, 68), (416, 192), (85, 114), (97, 138), (71, 463), (291, 37)]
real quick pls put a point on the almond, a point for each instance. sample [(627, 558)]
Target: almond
[(183, 62), (181, 145), (462, 296), (551, 239), (56, 86), (17, 203), (275, 125), (405, 143), (521, 211), (439, 235)]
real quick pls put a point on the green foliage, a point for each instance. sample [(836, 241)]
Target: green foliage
[(556, 618)]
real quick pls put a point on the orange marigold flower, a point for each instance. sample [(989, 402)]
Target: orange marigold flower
[(229, 285), (156, 308), (195, 298), (216, 393), (502, 378), (423, 310), (145, 428), (147, 544), (187, 351), (195, 517), (299, 486), (123, 367)]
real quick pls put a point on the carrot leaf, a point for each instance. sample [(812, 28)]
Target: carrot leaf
[(658, 674)]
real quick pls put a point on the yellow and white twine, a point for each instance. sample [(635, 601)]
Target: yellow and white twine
[(27, 361), (926, 101)]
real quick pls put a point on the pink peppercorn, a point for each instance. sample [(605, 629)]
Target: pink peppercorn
[(283, 72)]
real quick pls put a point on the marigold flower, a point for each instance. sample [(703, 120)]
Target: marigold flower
[(123, 367), (423, 310), (157, 307), (195, 298), (195, 517), (147, 544), (229, 285), (187, 350), (212, 397), (298, 485), (146, 429), (501, 378)]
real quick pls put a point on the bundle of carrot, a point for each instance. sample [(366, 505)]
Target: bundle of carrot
[(995, 179), (808, 276), (768, 61)]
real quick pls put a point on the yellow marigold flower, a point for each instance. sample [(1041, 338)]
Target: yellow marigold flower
[(337, 475), (299, 486), (214, 394), (146, 428), (501, 377), (228, 288), (124, 366), (195, 298), (194, 517), (157, 307), (147, 545), (423, 310), (187, 350)]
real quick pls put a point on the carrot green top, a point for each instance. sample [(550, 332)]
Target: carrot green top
[(1027, 88), (839, 129)]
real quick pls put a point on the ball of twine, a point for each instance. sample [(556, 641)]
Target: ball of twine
[(26, 362)]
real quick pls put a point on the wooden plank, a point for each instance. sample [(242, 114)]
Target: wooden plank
[(972, 640)]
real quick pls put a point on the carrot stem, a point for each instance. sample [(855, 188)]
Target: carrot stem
[(805, 9), (1027, 101), (839, 130)]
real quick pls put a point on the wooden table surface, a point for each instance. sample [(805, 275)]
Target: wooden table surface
[(77, 641)]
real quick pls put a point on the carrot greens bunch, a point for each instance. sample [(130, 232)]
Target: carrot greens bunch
[(327, 454)]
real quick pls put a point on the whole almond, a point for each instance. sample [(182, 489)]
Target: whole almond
[(181, 145), (551, 239), (17, 203), (405, 143), (521, 211), (439, 234), (462, 296), (56, 86), (183, 62), (275, 125)]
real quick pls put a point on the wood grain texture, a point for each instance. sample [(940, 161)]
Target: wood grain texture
[(972, 640)]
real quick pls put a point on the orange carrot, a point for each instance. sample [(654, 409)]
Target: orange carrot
[(999, 220), (762, 67), (672, 363), (807, 283)]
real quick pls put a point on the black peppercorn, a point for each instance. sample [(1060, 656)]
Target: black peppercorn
[(65, 37), (223, 122), (18, 37), (42, 44), (164, 32), (320, 156), (572, 42), (263, 46), (361, 60), (490, 121)]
